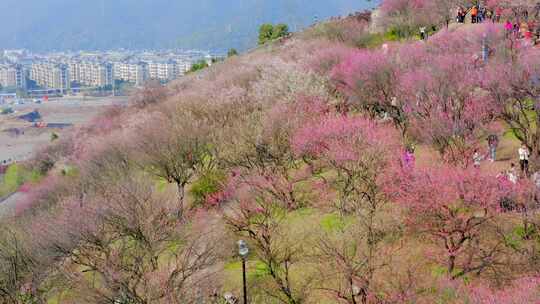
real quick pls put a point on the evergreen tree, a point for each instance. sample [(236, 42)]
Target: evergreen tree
[(265, 33), (232, 52)]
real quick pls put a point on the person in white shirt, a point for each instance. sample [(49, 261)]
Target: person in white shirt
[(477, 159), (524, 154), (512, 174), (423, 33)]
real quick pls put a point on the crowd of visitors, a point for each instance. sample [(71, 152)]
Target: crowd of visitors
[(521, 25), (523, 154), (510, 176)]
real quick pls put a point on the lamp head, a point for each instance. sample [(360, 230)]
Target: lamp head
[(243, 249)]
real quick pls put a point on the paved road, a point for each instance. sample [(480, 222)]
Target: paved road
[(8, 204)]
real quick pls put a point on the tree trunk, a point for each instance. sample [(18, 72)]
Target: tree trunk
[(181, 195), (353, 295), (535, 146), (451, 264)]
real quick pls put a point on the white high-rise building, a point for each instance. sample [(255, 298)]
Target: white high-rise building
[(163, 71), (137, 73), (93, 74), (183, 67), (13, 76), (51, 75)]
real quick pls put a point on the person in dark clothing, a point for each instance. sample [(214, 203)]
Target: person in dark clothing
[(515, 30), (462, 15), (493, 143), (423, 33), (490, 16), (524, 154), (460, 18), (481, 15)]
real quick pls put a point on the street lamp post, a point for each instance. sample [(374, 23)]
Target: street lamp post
[(243, 251)]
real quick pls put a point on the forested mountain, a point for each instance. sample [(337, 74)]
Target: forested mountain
[(205, 24)]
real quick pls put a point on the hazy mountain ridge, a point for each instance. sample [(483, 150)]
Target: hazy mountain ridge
[(205, 24)]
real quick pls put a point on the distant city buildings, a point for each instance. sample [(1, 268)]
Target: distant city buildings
[(168, 70), (51, 75), (134, 72), (91, 74), (13, 76), (20, 69), (163, 71), (184, 67)]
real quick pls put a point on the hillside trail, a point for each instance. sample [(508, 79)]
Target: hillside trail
[(8, 205), (508, 145), (506, 155)]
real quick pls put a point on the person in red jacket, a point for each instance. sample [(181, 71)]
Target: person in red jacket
[(474, 14), (498, 14)]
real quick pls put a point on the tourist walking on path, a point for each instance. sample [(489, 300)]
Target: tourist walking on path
[(423, 33), (512, 174), (481, 15), (477, 159), (508, 28), (489, 15), (516, 30), (474, 14), (461, 15), (408, 158), (498, 14), (493, 143), (524, 154)]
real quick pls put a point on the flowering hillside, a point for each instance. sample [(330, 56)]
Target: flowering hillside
[(360, 164)]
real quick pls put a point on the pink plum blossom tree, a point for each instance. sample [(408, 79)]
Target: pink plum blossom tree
[(456, 208)]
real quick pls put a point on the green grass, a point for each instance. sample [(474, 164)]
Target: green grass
[(206, 185), (254, 269), (15, 176), (376, 40), (161, 185), (333, 222), (70, 171), (300, 214), (509, 135)]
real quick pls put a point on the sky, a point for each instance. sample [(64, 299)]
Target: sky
[(145, 24)]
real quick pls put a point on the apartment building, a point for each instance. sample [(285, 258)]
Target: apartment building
[(51, 75), (163, 71), (92, 74), (168, 70), (137, 73), (12, 76), (182, 67), (74, 71)]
